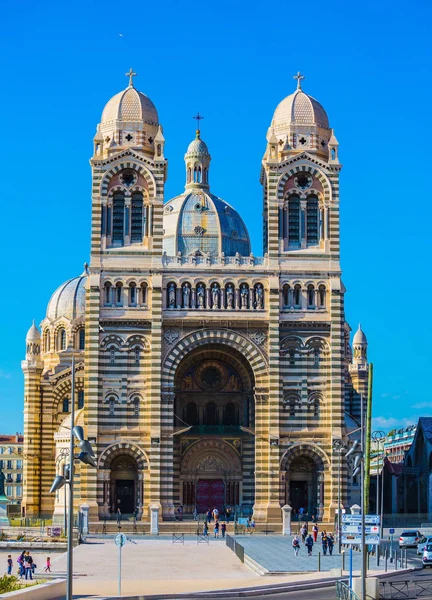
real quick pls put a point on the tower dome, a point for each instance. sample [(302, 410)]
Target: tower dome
[(33, 334), (359, 337), (300, 109), (198, 221), (129, 119), (68, 300)]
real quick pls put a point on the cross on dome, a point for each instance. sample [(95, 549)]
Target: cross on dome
[(131, 75), (198, 118), (299, 78)]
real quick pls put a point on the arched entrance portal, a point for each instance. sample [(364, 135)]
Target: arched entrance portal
[(302, 471), (124, 484), (214, 397)]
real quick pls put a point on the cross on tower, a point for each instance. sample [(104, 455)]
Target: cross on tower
[(131, 75), (299, 78), (198, 118)]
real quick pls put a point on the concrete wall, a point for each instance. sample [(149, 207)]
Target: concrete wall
[(44, 591)]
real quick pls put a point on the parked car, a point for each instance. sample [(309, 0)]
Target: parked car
[(427, 556), (423, 543), (409, 539)]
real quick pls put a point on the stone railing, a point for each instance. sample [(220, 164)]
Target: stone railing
[(208, 260)]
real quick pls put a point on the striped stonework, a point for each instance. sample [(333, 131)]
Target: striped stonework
[(202, 378)]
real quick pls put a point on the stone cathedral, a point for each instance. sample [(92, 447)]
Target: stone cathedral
[(205, 376)]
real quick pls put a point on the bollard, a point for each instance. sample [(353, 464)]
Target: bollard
[(395, 560), (343, 560), (385, 560), (406, 559), (319, 561)]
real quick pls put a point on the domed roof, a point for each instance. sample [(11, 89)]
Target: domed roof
[(197, 146), (359, 337), (130, 105), (300, 109), (33, 334), (68, 300), (198, 221)]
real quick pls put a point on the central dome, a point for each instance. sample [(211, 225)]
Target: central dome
[(68, 300), (199, 222)]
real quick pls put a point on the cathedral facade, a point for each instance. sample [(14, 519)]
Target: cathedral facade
[(205, 376)]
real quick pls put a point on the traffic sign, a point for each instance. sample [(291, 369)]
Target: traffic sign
[(391, 530), (350, 528), (355, 538), (354, 519), (120, 539)]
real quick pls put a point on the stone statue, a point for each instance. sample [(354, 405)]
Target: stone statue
[(200, 295), (230, 296), (259, 296), (244, 293), (215, 295), (171, 295), (186, 295)]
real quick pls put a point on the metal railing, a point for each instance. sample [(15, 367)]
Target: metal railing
[(344, 592), (235, 547), (410, 588)]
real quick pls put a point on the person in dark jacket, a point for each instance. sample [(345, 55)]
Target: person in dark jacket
[(309, 544), (330, 543)]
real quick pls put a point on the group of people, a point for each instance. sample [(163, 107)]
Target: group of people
[(26, 565), (218, 527), (308, 540)]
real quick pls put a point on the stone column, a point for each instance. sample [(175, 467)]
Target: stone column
[(286, 519), (208, 298), (179, 296), (85, 518), (154, 519), (222, 298), (193, 292)]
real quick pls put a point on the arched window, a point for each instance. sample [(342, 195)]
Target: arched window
[(111, 405), (297, 296), (189, 175), (191, 414), (81, 339), (211, 417), (136, 406), (137, 217), (321, 296), (80, 399), (137, 356), (285, 296), (230, 414), (294, 221), (65, 405), (62, 340), (47, 340), (171, 293), (107, 294), (118, 218), (112, 355), (119, 294), (143, 294), (311, 296), (312, 220), (132, 294)]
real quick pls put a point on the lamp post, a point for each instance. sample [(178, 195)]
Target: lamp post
[(86, 456), (339, 447), (378, 437)]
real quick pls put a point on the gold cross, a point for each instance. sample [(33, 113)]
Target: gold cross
[(131, 75), (299, 77)]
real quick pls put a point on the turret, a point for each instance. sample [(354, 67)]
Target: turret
[(197, 159)]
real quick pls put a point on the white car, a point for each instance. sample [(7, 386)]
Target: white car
[(427, 557), (422, 544), (409, 539)]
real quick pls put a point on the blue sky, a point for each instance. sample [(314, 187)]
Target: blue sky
[(368, 63)]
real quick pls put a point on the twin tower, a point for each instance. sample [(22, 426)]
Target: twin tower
[(206, 376)]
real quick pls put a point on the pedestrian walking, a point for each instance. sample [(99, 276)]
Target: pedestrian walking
[(48, 565), (9, 564), (228, 513), (223, 529), (315, 532), (216, 529), (118, 514), (215, 514), (330, 543), (324, 542), (309, 544), (296, 545), (21, 566), (209, 515), (205, 529), (303, 533), (28, 563), (195, 514)]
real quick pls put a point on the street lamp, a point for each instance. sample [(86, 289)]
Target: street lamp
[(64, 452), (86, 456), (339, 447), (378, 437)]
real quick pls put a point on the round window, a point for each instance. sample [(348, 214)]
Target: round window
[(303, 181)]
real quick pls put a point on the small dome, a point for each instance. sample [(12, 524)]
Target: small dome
[(201, 222), (359, 337), (300, 109), (130, 105), (68, 300), (197, 146), (33, 334)]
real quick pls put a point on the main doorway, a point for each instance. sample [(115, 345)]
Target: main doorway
[(125, 494), (210, 494), (299, 495), (124, 484)]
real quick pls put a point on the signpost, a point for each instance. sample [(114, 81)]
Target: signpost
[(120, 540), (351, 529), (391, 531)]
